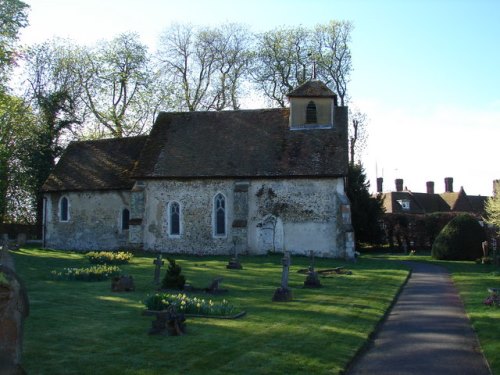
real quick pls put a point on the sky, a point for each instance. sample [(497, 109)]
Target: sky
[(425, 72)]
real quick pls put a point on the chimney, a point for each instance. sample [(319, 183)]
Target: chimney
[(448, 184), (380, 182), (399, 184), (430, 187)]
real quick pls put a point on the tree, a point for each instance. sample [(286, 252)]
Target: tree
[(366, 211), (286, 57), (118, 86), (13, 17), (15, 127), (205, 65), (492, 207), (357, 134)]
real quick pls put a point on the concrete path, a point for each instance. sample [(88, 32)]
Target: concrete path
[(426, 332)]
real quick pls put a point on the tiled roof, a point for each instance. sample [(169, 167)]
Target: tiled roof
[(96, 165), (312, 89), (247, 143)]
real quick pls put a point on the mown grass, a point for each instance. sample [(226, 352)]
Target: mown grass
[(84, 328), (472, 281)]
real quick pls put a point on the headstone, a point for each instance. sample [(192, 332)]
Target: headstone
[(122, 283), (167, 322), (158, 262), (312, 279), (283, 293), (21, 239), (14, 308), (234, 263), (214, 287)]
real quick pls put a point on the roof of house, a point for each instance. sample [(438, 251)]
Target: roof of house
[(245, 143), (96, 165), (314, 89), (421, 203)]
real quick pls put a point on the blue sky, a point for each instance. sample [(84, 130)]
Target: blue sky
[(426, 72)]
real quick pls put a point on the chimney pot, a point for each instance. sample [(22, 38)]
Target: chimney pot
[(430, 187), (380, 182), (399, 184), (448, 184)]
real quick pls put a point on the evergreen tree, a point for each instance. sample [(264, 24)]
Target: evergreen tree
[(366, 210)]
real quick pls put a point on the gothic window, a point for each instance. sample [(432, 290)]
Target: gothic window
[(64, 209), (219, 215), (311, 116), (174, 215), (125, 219)]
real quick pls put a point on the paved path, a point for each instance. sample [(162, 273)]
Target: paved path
[(426, 332)]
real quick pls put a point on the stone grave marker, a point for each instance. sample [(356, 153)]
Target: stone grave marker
[(158, 262), (234, 263), (283, 293), (312, 279)]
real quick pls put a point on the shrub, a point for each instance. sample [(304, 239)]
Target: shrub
[(173, 278), (109, 257), (460, 239), (189, 305), (93, 273)]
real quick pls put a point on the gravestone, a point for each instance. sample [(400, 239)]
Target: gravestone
[(158, 262), (234, 263), (283, 293), (122, 283), (312, 279), (14, 308)]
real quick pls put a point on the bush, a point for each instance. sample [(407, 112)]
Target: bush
[(460, 239), (93, 273), (108, 257), (173, 278)]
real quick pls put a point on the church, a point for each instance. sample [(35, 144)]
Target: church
[(251, 181)]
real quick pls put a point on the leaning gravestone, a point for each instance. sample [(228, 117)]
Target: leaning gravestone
[(14, 308), (283, 293)]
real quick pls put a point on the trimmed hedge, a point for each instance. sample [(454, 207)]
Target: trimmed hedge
[(460, 239)]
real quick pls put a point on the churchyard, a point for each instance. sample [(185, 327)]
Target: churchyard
[(78, 327)]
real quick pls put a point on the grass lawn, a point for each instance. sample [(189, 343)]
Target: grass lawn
[(79, 327)]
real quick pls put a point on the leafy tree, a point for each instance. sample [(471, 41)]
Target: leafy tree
[(286, 57), (357, 134), (366, 210), (492, 207), (205, 65), (118, 85), (15, 128), (13, 17), (460, 239)]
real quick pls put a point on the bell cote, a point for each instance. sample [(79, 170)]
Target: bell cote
[(312, 106)]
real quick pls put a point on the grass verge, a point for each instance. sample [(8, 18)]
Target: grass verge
[(79, 327)]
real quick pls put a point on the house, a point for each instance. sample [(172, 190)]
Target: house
[(404, 201), (211, 183)]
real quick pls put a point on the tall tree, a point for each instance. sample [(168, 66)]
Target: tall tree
[(205, 65), (13, 17), (492, 208), (357, 134), (55, 94), (118, 85), (366, 210), (289, 56)]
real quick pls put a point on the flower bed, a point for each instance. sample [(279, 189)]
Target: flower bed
[(190, 305), (93, 273), (109, 257)]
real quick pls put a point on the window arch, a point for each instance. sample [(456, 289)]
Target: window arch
[(311, 113), (125, 219), (219, 215), (64, 209), (174, 219)]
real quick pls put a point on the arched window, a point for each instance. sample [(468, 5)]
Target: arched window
[(174, 218), (219, 215), (64, 209), (125, 219), (311, 117)]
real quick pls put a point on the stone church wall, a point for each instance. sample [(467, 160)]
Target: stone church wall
[(94, 221)]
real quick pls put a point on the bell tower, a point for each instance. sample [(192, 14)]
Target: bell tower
[(312, 106)]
